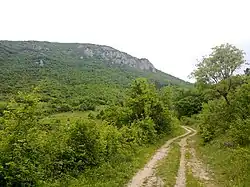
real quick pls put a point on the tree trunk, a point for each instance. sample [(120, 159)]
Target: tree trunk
[(225, 97)]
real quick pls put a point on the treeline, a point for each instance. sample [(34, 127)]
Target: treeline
[(35, 154), (220, 106)]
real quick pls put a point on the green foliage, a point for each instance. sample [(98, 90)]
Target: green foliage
[(224, 121), (117, 172), (2, 107), (58, 128), (227, 111), (142, 102), (145, 102), (167, 95), (188, 102), (116, 115), (214, 119), (247, 71), (231, 166), (39, 150), (217, 117), (65, 75), (240, 128), (189, 121), (217, 69), (147, 130), (18, 142), (86, 144), (220, 64)]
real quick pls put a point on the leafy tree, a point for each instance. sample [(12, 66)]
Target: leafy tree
[(167, 96), (144, 101), (218, 68), (141, 96), (18, 134)]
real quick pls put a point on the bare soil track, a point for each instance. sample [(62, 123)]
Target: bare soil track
[(146, 177)]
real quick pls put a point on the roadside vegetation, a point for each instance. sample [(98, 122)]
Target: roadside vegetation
[(191, 180), (219, 107), (88, 147)]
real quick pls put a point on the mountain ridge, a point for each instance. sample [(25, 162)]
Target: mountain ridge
[(74, 69), (148, 66), (89, 50)]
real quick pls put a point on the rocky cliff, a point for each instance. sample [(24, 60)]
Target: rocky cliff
[(114, 56), (81, 51)]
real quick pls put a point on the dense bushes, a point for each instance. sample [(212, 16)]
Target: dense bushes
[(188, 102), (87, 144), (220, 118), (214, 119), (143, 102), (34, 153), (227, 111)]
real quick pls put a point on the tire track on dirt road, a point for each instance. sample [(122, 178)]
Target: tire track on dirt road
[(181, 177), (146, 176)]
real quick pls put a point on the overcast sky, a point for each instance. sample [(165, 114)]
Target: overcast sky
[(172, 34)]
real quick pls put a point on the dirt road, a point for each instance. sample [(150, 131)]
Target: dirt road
[(146, 176)]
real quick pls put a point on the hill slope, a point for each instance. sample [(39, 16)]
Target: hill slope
[(72, 70)]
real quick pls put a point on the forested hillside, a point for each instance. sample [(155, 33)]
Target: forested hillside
[(70, 112), (66, 72)]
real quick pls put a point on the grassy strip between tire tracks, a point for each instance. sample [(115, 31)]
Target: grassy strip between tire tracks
[(168, 167)]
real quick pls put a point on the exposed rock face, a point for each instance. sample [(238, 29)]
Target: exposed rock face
[(114, 56), (104, 53)]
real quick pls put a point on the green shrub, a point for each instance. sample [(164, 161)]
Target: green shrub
[(64, 108), (162, 118), (113, 137), (2, 107), (240, 127), (116, 115), (86, 106), (214, 119), (189, 121), (148, 131), (240, 131), (87, 144), (91, 115)]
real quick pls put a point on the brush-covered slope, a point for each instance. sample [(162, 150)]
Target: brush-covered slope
[(70, 70)]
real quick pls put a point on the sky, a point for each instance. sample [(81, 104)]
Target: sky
[(172, 34)]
